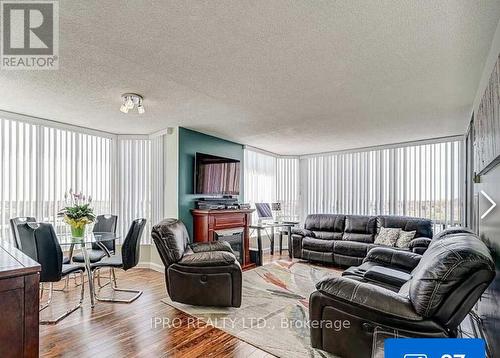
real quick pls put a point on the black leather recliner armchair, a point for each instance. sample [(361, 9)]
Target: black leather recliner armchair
[(444, 285), (206, 274)]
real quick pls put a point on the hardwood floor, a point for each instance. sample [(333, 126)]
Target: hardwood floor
[(134, 330)]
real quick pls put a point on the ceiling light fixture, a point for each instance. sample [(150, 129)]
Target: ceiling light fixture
[(131, 100)]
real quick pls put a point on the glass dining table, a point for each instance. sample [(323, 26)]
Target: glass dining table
[(84, 243)]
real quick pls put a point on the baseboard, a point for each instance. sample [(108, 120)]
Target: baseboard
[(152, 266)]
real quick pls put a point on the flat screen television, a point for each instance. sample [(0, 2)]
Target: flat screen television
[(216, 175)]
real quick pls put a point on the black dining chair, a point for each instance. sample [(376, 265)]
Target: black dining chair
[(104, 223), (15, 233), (14, 222), (128, 258), (39, 241)]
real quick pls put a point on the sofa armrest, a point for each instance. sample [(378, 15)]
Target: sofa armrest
[(420, 242), (420, 245), (368, 296), (208, 258), (388, 256), (302, 232)]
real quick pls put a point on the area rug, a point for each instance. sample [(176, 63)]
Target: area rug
[(274, 310)]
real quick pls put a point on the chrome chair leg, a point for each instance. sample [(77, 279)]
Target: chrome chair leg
[(68, 312), (66, 284), (41, 291), (99, 279), (49, 300), (115, 288)]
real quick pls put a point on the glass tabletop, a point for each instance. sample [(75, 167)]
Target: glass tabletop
[(91, 237), (269, 224)]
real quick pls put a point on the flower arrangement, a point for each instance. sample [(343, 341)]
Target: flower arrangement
[(78, 213)]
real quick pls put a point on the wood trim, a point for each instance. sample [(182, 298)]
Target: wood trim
[(31, 315), (14, 263), (19, 302)]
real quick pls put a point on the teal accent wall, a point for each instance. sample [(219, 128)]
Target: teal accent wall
[(191, 142)]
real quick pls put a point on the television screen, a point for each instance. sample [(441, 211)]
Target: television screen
[(216, 175)]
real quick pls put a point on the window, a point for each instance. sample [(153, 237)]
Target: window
[(76, 161), (39, 164), (416, 180), (134, 187), (271, 179), (18, 172), (287, 187)]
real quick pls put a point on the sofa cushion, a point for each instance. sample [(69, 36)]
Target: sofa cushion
[(387, 236), (422, 227), (405, 238), (302, 232), (325, 222), (320, 245), (171, 238), (328, 235), (352, 248), (360, 228)]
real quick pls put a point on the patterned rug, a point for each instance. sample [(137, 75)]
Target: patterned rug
[(274, 309)]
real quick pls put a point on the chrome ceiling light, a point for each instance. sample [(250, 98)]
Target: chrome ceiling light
[(131, 100)]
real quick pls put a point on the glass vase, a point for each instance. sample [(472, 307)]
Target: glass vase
[(77, 232)]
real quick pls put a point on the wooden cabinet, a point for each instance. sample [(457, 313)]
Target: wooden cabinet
[(205, 222), (19, 283)]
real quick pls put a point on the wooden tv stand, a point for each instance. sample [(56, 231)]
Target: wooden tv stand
[(205, 222)]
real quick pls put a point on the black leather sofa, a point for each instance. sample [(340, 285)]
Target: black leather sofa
[(346, 239), (440, 289), (201, 274)]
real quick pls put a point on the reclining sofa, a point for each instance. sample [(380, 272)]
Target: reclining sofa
[(408, 294), (346, 239)]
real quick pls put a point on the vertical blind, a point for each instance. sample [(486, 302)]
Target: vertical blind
[(38, 165), (134, 184), (287, 187), (269, 179), (76, 161), (18, 172), (420, 180)]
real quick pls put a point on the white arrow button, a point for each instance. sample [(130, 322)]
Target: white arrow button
[(493, 204)]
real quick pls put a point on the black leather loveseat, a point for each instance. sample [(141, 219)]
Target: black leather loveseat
[(346, 239), (440, 289)]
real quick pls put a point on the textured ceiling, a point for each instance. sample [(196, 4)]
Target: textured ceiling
[(289, 77)]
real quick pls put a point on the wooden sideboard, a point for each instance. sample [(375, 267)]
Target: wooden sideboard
[(19, 284), (205, 222)]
